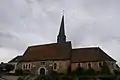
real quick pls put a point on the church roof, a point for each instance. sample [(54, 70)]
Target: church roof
[(63, 50), (16, 59), (89, 54), (52, 51)]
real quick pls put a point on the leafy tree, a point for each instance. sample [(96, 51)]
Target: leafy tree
[(117, 72), (69, 70), (53, 75), (4, 67), (18, 72), (105, 70), (78, 71), (9, 67), (90, 71)]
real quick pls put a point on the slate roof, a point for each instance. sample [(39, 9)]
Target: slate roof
[(89, 54), (16, 59), (52, 51), (61, 52)]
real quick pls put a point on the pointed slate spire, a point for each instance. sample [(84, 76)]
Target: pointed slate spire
[(62, 30), (61, 38)]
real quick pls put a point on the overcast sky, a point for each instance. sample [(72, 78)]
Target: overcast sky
[(87, 23)]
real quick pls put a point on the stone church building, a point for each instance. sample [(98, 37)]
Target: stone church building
[(60, 56)]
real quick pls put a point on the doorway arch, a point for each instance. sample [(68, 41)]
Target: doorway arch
[(42, 71)]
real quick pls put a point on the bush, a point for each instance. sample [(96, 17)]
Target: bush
[(18, 72), (117, 72), (69, 70), (90, 71), (105, 69), (53, 75), (26, 72), (9, 67), (41, 77), (4, 67), (20, 78), (78, 71)]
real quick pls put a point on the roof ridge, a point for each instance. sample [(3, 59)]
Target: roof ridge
[(42, 45), (86, 48), (45, 44)]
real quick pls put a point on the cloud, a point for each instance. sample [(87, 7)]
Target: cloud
[(7, 54), (87, 23)]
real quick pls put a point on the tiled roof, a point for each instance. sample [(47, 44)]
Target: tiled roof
[(47, 52), (16, 59), (56, 52), (89, 54)]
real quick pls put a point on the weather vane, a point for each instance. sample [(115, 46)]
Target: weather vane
[(63, 12)]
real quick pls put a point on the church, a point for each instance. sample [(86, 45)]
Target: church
[(60, 56)]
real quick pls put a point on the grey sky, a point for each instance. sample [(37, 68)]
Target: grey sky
[(87, 23)]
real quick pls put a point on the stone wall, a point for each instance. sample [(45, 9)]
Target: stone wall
[(95, 65), (62, 66)]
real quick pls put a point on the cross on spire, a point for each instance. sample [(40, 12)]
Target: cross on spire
[(63, 12)]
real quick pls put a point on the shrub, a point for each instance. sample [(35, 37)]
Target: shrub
[(26, 72), (9, 67), (53, 75), (69, 70), (90, 71), (18, 72), (78, 71), (117, 72), (20, 78), (105, 69), (4, 67), (41, 77)]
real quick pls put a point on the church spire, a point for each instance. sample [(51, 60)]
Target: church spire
[(61, 38)]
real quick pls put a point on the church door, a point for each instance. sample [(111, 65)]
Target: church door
[(42, 71)]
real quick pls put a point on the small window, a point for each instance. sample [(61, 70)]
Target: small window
[(29, 66), (89, 65), (55, 66), (24, 66), (42, 63), (100, 64), (79, 65)]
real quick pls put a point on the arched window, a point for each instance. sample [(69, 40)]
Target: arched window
[(89, 65), (23, 66), (79, 65), (29, 66), (55, 66), (26, 66), (100, 64)]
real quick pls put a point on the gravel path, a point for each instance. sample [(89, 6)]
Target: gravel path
[(10, 77)]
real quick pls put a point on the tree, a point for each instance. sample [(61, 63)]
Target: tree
[(9, 67), (4, 67), (78, 71), (117, 72), (19, 72), (90, 71), (69, 70), (53, 75), (105, 70)]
